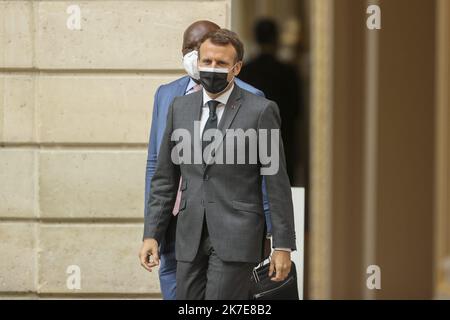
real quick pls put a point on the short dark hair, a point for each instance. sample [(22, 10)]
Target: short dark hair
[(222, 37)]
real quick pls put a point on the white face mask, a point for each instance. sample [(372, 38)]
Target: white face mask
[(190, 64)]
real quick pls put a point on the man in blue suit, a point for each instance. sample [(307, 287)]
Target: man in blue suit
[(162, 101)]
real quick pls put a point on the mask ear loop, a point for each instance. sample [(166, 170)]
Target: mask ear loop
[(234, 76)]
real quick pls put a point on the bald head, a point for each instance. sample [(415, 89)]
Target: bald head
[(195, 32)]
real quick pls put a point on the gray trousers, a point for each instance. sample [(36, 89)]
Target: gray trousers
[(210, 278)]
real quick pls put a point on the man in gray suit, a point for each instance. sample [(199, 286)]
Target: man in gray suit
[(221, 221)]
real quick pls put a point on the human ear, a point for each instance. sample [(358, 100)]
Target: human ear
[(237, 68)]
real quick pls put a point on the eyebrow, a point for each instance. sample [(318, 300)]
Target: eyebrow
[(209, 59)]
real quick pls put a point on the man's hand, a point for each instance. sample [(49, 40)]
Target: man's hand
[(281, 264), (149, 254)]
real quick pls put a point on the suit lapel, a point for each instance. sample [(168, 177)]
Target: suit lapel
[(230, 112), (195, 109), (231, 109)]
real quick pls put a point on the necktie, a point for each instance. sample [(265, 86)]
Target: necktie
[(176, 207), (211, 123)]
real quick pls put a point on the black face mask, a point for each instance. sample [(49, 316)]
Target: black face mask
[(214, 80)]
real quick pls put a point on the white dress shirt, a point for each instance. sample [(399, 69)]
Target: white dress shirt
[(222, 99), (191, 87)]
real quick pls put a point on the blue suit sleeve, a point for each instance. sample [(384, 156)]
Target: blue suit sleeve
[(266, 206), (152, 155)]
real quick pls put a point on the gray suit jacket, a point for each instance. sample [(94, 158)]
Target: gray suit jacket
[(228, 195)]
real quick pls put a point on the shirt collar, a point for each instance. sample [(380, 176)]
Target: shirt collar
[(223, 98), (190, 85)]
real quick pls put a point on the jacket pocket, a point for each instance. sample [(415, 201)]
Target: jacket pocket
[(247, 206)]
